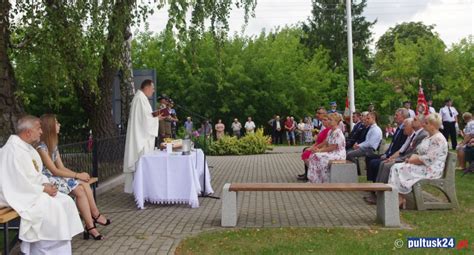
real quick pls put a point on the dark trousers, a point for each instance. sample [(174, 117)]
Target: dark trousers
[(373, 168), (449, 129), (276, 137)]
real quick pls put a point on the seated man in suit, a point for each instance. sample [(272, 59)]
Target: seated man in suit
[(372, 140), (373, 162), (358, 131), (416, 133)]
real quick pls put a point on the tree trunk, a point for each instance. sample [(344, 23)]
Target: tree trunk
[(10, 106), (127, 87)]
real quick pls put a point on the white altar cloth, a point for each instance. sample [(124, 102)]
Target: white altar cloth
[(171, 178)]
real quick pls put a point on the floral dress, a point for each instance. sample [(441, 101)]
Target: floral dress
[(432, 151), (65, 184), (308, 135), (319, 162)]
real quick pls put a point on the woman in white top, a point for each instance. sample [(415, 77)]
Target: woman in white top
[(249, 126)]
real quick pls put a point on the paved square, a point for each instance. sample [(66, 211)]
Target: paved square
[(158, 229)]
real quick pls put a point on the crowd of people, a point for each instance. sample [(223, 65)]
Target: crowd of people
[(418, 149)]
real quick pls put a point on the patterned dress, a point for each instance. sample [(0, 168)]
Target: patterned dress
[(65, 184), (308, 135), (319, 162), (432, 151)]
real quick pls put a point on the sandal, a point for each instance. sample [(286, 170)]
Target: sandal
[(87, 234), (96, 220)]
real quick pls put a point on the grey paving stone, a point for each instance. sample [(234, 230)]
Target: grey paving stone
[(158, 229)]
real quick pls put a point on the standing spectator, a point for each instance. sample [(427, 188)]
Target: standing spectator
[(431, 109), (249, 126), (236, 127), (449, 115), (308, 134), (173, 120), (300, 131), (371, 108), (289, 129), (188, 126), (317, 122), (407, 105), (220, 127), (389, 131), (276, 130), (333, 107), (206, 129), (468, 134)]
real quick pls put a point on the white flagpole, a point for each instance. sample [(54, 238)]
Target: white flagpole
[(351, 65)]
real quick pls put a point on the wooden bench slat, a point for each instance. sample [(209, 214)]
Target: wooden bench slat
[(4, 210), (10, 215), (309, 187)]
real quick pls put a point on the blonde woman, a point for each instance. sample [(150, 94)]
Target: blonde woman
[(67, 180), (333, 148), (427, 163)]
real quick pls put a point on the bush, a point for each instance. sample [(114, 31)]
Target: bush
[(250, 144)]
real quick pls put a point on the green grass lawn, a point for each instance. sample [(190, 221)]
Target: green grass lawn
[(376, 240)]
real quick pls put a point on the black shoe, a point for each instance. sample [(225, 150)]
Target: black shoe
[(87, 234), (301, 175), (302, 178), (371, 200)]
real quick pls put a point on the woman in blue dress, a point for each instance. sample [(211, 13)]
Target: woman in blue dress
[(68, 181)]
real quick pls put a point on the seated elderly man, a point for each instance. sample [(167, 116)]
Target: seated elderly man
[(49, 219), (415, 132)]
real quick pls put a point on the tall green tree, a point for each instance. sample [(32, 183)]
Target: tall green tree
[(327, 27), (10, 107), (89, 38)]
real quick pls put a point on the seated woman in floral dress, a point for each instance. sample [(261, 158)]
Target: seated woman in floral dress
[(427, 163), (333, 148), (66, 180)]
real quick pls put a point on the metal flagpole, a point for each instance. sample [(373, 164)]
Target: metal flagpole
[(351, 64)]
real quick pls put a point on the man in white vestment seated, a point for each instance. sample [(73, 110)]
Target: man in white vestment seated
[(49, 219), (142, 131)]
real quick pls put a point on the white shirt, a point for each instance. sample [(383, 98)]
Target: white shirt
[(469, 128), (432, 109), (411, 113), (446, 116), (373, 138), (249, 126)]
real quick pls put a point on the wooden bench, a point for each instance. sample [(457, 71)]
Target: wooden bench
[(7, 214), (446, 184), (387, 197)]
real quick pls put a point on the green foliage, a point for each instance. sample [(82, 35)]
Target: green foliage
[(256, 143), (256, 77), (327, 28)]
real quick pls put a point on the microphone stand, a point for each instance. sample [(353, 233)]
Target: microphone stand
[(203, 191)]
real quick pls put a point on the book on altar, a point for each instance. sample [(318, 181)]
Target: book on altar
[(163, 112)]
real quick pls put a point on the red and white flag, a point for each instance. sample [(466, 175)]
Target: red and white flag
[(422, 106)]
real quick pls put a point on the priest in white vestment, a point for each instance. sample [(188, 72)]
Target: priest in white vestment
[(49, 219), (142, 131)]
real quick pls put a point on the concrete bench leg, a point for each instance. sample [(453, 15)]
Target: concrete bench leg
[(343, 173), (229, 207), (388, 212)]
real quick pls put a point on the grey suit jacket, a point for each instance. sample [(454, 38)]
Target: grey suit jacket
[(412, 149)]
